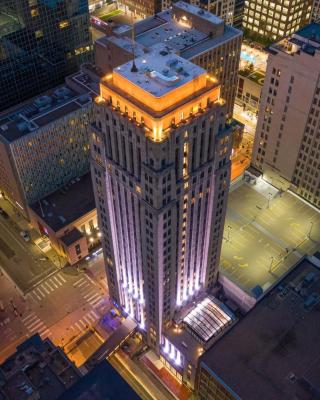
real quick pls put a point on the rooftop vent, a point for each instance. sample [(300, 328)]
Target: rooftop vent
[(62, 219), (62, 92), (23, 126), (43, 101)]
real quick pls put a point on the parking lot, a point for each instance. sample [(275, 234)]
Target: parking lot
[(266, 233)]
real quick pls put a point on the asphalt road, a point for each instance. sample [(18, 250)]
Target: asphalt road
[(145, 386), (63, 307), (21, 260)]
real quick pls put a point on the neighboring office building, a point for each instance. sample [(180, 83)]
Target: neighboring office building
[(238, 13), (161, 172), (103, 382), (223, 9), (37, 370), (41, 42), (287, 141), (68, 218), (191, 33), (250, 85), (267, 21), (315, 15), (44, 142), (273, 352), (144, 8)]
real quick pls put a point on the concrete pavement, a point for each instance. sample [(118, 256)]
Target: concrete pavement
[(265, 234), (65, 305)]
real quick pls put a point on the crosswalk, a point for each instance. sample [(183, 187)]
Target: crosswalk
[(33, 324), (48, 286), (83, 324), (89, 291)]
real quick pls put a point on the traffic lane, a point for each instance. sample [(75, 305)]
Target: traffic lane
[(21, 260)]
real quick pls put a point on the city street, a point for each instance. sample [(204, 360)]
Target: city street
[(22, 261), (147, 387), (266, 233), (63, 307)]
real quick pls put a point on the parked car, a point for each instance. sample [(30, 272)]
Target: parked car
[(25, 235), (3, 213)]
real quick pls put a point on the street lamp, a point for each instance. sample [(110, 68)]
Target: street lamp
[(270, 267), (310, 230), (229, 230), (269, 198)]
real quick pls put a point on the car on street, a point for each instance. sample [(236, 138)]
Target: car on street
[(25, 235), (3, 213)]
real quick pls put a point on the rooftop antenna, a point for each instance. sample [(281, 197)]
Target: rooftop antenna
[(134, 67)]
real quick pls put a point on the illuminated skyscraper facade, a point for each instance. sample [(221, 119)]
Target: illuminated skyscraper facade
[(161, 170), (41, 42)]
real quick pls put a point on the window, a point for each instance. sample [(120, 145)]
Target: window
[(78, 249)]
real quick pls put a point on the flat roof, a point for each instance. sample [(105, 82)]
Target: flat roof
[(101, 383), (67, 204), (310, 32), (199, 12), (37, 369), (172, 34), (185, 40), (159, 71), (41, 110), (273, 352), (71, 237)]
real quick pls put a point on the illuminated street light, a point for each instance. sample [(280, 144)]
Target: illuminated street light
[(310, 230), (269, 198), (229, 230), (270, 267)]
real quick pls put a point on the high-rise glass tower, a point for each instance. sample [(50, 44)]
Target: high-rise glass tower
[(161, 169), (41, 42)]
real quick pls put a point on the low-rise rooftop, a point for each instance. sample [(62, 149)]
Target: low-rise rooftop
[(273, 352), (42, 110), (66, 205), (38, 370), (101, 383)]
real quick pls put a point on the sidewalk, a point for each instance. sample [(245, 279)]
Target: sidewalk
[(176, 388)]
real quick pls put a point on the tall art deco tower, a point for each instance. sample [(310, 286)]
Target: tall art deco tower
[(161, 171)]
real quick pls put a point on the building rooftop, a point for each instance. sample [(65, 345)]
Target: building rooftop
[(305, 40), (273, 352), (71, 237), (208, 318), (102, 383), (159, 72), (199, 325), (37, 369), (186, 37), (171, 33), (310, 32), (198, 12), (40, 111), (67, 204)]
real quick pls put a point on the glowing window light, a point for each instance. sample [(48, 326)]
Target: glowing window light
[(178, 358), (172, 353), (166, 346)]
